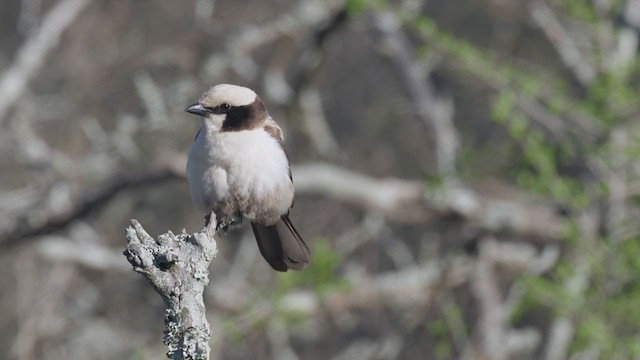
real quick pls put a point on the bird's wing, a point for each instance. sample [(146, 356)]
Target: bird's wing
[(272, 128)]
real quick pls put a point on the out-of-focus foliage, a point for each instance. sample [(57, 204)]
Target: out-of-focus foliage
[(321, 276)]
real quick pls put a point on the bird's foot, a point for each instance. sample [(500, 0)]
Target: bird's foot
[(236, 220), (226, 222)]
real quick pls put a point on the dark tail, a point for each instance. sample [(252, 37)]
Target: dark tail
[(281, 245)]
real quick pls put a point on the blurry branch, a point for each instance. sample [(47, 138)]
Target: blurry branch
[(379, 349), (279, 337), (564, 44), (414, 286), (92, 256), (316, 125), (308, 13), (33, 53), (357, 236), (538, 112), (626, 49), (178, 269), (410, 201), (39, 305), (236, 53), (325, 17), (203, 12), (433, 112), (411, 286), (34, 150), (303, 69), (308, 58), (522, 257), (560, 338), (619, 42), (399, 200), (632, 13), (563, 329), (151, 97), (26, 225), (559, 126), (497, 340), (614, 172), (491, 323), (30, 13)]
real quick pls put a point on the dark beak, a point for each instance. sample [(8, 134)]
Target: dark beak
[(196, 109)]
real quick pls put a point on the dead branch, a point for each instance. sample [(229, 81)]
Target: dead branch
[(178, 269)]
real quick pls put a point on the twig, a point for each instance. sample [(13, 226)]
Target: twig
[(178, 269), (33, 53)]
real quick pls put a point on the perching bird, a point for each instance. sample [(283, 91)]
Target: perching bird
[(238, 169)]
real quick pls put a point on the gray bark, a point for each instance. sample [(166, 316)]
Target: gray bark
[(177, 268)]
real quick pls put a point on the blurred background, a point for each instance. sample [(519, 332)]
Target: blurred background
[(466, 174)]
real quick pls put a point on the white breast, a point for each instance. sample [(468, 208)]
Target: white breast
[(248, 163)]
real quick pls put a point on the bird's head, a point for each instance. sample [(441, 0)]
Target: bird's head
[(230, 108)]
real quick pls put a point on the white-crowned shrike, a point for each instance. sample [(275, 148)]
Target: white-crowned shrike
[(238, 169)]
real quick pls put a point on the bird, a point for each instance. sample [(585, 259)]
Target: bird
[(238, 169)]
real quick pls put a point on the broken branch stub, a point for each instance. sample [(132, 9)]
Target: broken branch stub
[(177, 266)]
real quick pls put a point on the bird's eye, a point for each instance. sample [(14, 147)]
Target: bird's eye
[(225, 107)]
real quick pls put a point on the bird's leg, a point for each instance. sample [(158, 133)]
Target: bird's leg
[(236, 219), (224, 222), (222, 225), (210, 229)]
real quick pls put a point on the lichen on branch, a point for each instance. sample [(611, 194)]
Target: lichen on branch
[(177, 266)]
